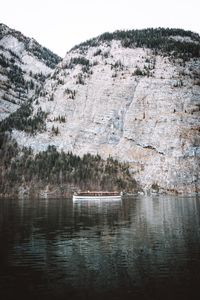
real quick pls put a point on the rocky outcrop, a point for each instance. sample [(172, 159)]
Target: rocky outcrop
[(134, 103), (24, 66)]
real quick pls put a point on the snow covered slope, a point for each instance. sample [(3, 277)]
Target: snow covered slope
[(132, 95), (24, 66)]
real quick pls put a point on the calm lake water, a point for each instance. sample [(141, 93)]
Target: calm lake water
[(137, 248)]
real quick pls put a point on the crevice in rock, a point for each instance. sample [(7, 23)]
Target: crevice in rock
[(128, 104), (153, 148), (145, 147)]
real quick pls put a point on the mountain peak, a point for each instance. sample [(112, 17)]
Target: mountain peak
[(165, 40)]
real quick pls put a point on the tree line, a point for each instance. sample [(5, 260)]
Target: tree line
[(159, 39), (19, 166)]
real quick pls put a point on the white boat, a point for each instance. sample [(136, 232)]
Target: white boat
[(97, 196)]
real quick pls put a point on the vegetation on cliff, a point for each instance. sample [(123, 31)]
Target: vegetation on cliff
[(22, 120)]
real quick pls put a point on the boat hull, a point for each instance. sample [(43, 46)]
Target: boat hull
[(89, 198)]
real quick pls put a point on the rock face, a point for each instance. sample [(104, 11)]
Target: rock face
[(134, 103), (24, 66)]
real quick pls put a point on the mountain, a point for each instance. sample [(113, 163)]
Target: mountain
[(131, 95), (24, 66)]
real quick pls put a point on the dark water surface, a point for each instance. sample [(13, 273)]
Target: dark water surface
[(137, 248)]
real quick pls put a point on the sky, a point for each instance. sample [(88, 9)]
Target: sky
[(61, 24)]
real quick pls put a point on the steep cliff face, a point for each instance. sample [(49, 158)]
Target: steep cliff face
[(137, 102), (24, 66)]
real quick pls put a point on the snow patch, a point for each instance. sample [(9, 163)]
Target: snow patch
[(12, 43), (32, 64)]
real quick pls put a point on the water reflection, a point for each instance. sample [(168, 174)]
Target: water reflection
[(97, 213), (141, 248)]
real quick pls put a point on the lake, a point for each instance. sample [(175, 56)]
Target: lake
[(138, 248)]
